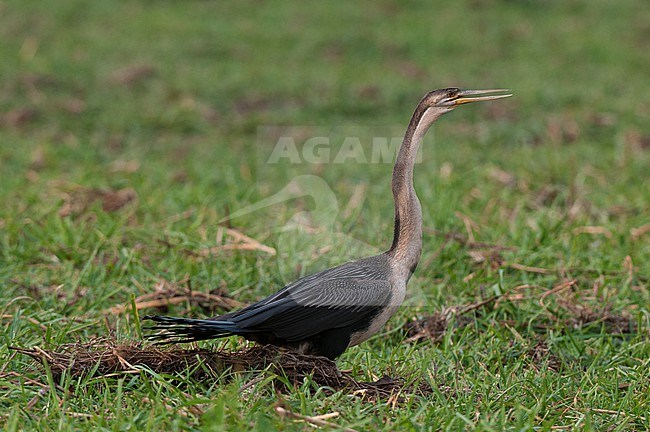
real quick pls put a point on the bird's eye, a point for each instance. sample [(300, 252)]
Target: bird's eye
[(452, 92)]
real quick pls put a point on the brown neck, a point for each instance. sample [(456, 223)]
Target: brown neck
[(407, 240)]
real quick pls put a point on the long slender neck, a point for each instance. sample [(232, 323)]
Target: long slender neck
[(407, 241)]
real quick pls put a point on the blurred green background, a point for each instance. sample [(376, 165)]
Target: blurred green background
[(128, 130)]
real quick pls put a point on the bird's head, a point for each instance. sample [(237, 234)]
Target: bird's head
[(438, 102), (449, 98)]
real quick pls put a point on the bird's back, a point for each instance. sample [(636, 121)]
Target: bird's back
[(328, 306)]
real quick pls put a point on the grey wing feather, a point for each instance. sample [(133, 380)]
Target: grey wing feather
[(333, 298), (344, 293), (314, 312), (367, 269)]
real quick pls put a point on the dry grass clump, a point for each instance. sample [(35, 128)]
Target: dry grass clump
[(107, 357)]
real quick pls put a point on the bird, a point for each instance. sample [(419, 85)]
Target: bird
[(324, 313)]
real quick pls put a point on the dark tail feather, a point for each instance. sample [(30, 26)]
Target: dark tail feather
[(172, 330)]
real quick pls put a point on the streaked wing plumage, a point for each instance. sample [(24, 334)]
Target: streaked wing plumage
[(334, 298)]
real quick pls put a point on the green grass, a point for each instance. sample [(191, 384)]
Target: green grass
[(184, 134)]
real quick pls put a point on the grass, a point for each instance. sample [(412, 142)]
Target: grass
[(170, 100)]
